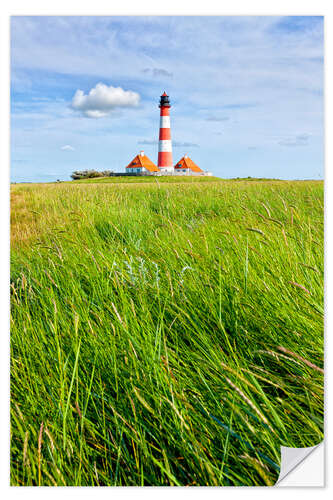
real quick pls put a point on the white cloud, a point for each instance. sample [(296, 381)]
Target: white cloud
[(158, 72), (298, 140), (148, 142), (178, 144), (67, 147), (214, 118), (175, 144), (102, 100)]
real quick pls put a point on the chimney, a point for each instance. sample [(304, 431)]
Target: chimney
[(142, 153)]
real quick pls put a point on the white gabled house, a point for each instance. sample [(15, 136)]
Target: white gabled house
[(141, 164)]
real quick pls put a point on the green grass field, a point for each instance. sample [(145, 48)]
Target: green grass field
[(164, 333)]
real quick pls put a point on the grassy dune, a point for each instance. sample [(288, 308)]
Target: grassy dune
[(164, 334)]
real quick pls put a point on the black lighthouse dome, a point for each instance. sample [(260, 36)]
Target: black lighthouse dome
[(164, 101)]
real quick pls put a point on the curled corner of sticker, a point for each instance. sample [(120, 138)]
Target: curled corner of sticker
[(291, 458)]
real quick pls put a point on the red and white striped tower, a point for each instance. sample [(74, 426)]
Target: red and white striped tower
[(164, 161)]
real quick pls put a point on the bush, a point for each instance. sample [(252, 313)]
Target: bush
[(89, 174)]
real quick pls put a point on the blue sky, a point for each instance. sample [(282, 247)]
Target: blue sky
[(246, 93)]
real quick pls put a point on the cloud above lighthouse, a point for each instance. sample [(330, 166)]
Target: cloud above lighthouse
[(102, 100), (158, 72)]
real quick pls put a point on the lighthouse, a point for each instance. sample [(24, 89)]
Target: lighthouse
[(164, 162)]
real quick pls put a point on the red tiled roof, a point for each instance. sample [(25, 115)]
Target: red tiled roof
[(143, 161), (186, 162)]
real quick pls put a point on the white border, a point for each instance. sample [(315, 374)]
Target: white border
[(144, 7)]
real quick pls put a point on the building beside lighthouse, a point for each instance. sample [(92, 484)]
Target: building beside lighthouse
[(141, 164), (186, 166)]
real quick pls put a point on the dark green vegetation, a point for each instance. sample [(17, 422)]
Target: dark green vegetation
[(168, 179), (89, 174), (164, 334)]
